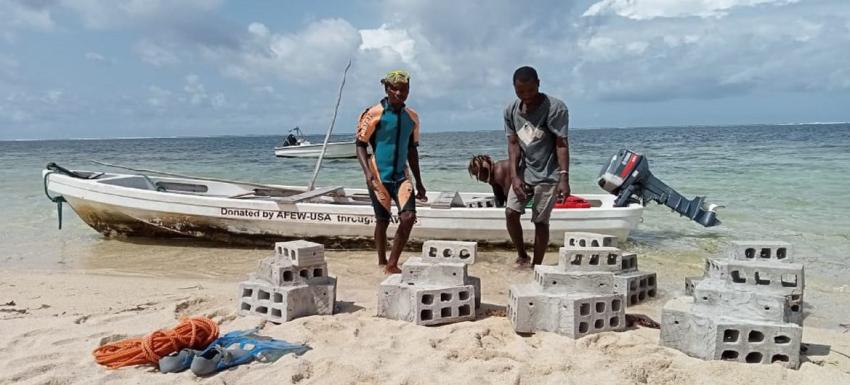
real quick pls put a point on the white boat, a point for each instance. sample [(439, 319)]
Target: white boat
[(336, 150), (296, 145), (247, 213)]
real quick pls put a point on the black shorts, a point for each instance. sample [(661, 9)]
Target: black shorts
[(387, 192)]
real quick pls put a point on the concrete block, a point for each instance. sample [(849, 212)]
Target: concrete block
[(395, 300), (581, 315), (786, 278), (425, 305), (637, 286), (281, 304), (764, 251), (553, 279), (712, 337), (449, 251), (280, 272), (628, 263), (441, 305), (690, 284), (721, 298), (416, 272), (301, 252), (758, 342), (578, 239), (530, 309), (590, 259), (574, 315), (480, 202), (686, 331), (475, 282)]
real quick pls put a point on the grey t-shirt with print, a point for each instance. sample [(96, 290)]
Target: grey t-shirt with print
[(536, 133)]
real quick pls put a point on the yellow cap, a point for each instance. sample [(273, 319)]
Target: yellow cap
[(396, 77)]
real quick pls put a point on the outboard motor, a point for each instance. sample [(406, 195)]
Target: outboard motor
[(628, 177)]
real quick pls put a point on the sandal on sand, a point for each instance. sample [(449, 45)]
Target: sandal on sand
[(177, 361), (239, 347)]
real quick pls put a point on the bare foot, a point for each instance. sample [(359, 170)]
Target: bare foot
[(392, 270), (522, 262)]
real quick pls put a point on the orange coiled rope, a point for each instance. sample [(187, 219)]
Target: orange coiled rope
[(193, 333)]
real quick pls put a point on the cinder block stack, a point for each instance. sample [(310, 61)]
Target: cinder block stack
[(637, 286), (747, 307), (434, 288), (586, 293), (292, 283)]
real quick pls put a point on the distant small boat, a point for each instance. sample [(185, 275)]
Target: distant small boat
[(296, 145)]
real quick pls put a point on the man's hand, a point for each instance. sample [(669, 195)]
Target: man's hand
[(563, 187), (519, 188), (420, 192)]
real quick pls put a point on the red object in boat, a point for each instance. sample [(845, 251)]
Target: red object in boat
[(572, 202)]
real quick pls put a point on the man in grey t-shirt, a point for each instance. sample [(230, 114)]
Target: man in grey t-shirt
[(536, 128)]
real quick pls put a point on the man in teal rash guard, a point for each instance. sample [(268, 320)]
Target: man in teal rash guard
[(392, 130)]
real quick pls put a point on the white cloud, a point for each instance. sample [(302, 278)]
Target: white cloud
[(95, 57), (650, 9), (312, 54), (155, 54), (389, 42), (101, 14)]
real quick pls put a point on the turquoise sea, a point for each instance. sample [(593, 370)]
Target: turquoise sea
[(782, 182)]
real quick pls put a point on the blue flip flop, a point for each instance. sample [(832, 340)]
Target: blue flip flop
[(177, 361), (240, 347)]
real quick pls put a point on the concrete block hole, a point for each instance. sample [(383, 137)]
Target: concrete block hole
[(781, 340), (278, 298), (446, 312), (755, 336), (317, 272), (582, 327), (287, 276), (598, 324), (612, 259), (731, 335), (247, 292), (426, 315), (277, 313), (729, 355), (600, 307), (262, 310), (463, 295), (753, 358), (464, 311), (246, 306), (615, 305), (779, 358), (445, 297), (264, 295), (427, 299), (614, 321), (584, 309)]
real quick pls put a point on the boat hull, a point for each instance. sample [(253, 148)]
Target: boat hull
[(338, 150), (128, 209)]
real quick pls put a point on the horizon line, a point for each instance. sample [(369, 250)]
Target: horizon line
[(459, 131)]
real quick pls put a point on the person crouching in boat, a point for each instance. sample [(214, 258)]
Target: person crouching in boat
[(497, 175), (392, 129)]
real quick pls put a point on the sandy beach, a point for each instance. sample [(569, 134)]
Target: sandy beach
[(51, 322)]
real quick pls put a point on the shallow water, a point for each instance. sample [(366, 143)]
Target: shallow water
[(776, 182)]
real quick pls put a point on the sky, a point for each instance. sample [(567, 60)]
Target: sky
[(157, 68)]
